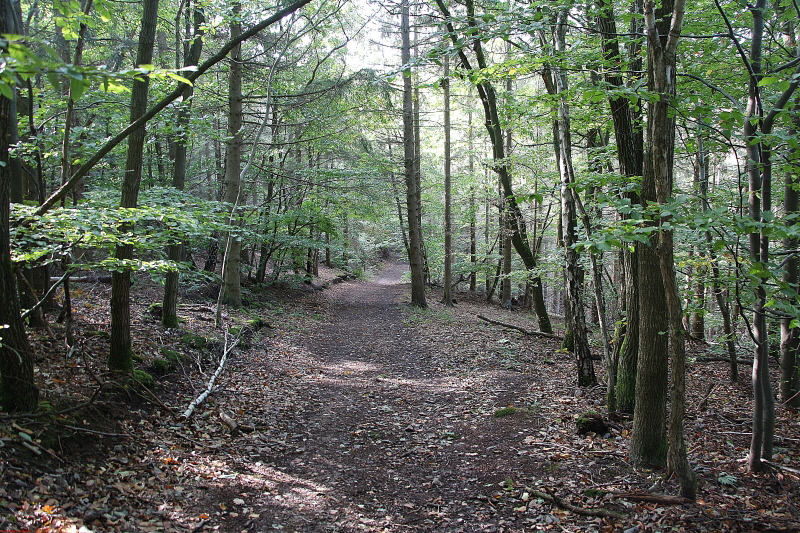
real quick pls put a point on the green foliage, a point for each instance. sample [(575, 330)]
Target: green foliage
[(168, 217), (191, 340), (505, 411), (171, 356), (140, 376), (161, 367)]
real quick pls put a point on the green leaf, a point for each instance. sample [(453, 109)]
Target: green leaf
[(6, 89), (179, 78), (76, 88)]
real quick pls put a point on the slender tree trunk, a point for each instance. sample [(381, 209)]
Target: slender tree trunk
[(413, 195), (574, 300), (630, 154), (448, 229), (18, 392), (231, 290), (177, 252), (790, 336), (416, 106), (473, 213), (120, 355)]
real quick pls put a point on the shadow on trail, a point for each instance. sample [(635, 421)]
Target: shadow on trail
[(382, 437)]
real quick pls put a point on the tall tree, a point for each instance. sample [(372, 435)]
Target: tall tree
[(630, 155), (448, 195), (120, 356), (193, 46), (663, 33), (18, 391), (413, 192), (488, 97), (231, 290), (574, 295)]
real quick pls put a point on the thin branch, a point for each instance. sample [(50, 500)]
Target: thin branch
[(197, 401), (47, 295), (521, 330), (573, 508), (55, 413), (84, 169)]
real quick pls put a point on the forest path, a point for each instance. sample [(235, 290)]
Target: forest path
[(390, 426)]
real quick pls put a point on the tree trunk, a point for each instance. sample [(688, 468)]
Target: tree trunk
[(413, 193), (488, 98), (18, 391), (630, 154), (473, 213), (575, 315), (663, 30), (177, 252), (120, 353), (231, 290), (448, 229), (649, 443), (790, 336)]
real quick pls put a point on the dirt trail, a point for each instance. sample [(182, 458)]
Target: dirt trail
[(395, 436)]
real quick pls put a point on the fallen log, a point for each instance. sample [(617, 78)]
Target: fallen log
[(521, 330)]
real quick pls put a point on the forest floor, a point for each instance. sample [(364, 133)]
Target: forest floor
[(355, 412)]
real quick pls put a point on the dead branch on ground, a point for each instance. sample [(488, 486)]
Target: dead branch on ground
[(197, 401), (552, 498), (522, 330)]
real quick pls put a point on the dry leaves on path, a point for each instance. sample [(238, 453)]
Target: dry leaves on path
[(351, 412)]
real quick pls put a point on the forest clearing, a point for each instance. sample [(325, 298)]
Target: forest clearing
[(395, 265), (354, 412)]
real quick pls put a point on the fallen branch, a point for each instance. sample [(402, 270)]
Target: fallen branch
[(522, 330), (95, 432), (550, 497), (794, 471), (55, 413), (664, 499), (713, 358), (197, 401)]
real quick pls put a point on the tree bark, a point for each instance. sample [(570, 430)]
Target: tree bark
[(574, 297), (18, 392), (630, 155), (663, 31), (649, 443), (120, 353), (790, 336), (231, 290), (177, 252), (448, 228), (413, 195)]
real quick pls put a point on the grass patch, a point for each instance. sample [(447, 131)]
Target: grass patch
[(505, 411), (416, 316)]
